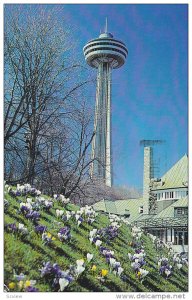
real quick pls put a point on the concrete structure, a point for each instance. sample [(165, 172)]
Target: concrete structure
[(104, 53)]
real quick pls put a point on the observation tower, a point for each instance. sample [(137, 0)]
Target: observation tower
[(105, 54)]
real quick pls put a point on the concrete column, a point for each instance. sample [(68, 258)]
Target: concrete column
[(101, 145)]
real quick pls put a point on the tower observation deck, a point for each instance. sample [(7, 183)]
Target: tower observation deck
[(103, 53)]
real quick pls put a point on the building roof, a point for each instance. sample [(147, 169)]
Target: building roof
[(121, 207), (169, 211), (176, 177)]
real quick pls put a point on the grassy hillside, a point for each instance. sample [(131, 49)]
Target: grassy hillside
[(27, 253)]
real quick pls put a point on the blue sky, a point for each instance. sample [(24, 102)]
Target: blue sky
[(150, 92)]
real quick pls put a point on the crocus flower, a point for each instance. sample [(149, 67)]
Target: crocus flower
[(22, 228), (64, 233), (27, 283), (120, 270), (20, 284), (94, 268), (179, 266), (90, 220), (79, 269), (40, 228), (80, 262), (47, 238), (167, 272), (89, 257), (47, 269), (143, 272), (31, 289), (19, 277), (93, 233), (80, 220), (11, 227), (112, 261), (104, 272), (98, 243), (59, 213), (77, 217), (63, 283), (11, 285)]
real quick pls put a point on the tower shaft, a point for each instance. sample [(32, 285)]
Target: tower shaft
[(101, 146), (103, 53)]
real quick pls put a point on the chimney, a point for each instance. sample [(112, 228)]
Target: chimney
[(147, 175)]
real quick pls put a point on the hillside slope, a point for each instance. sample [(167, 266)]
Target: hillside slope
[(68, 255)]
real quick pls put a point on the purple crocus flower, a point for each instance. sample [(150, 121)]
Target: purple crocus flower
[(69, 278), (138, 251), (40, 228), (162, 270), (136, 267), (31, 289), (11, 227), (24, 209), (56, 270), (47, 269), (64, 233), (33, 215)]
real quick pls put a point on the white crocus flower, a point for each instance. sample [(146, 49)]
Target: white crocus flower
[(29, 200), (120, 270), (112, 261), (93, 232), (79, 223), (77, 217), (143, 272), (167, 272), (91, 240), (89, 257), (130, 255), (63, 283), (22, 228), (80, 262), (98, 243), (79, 269), (59, 213)]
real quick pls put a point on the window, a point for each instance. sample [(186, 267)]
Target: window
[(141, 209), (180, 211), (127, 213), (106, 48), (105, 43), (180, 237)]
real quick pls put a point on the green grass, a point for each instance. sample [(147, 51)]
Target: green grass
[(27, 254)]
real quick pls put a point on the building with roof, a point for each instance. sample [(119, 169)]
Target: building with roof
[(169, 220)]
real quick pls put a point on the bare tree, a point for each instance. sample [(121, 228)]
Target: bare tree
[(40, 77)]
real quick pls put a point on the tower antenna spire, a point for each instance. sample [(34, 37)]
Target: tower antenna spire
[(106, 25)]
